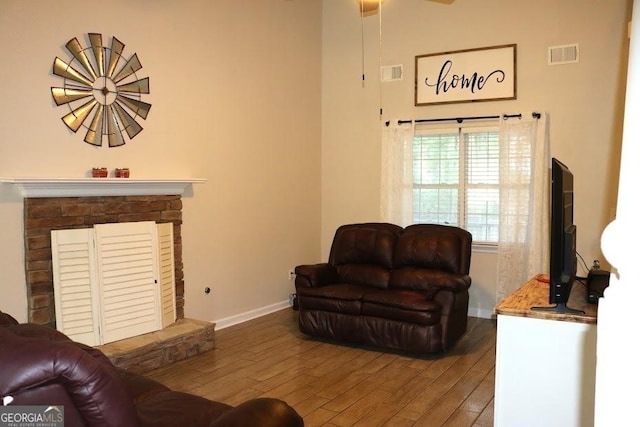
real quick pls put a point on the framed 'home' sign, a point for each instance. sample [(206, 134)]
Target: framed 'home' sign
[(483, 74)]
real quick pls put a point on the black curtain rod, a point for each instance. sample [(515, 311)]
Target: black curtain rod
[(461, 119)]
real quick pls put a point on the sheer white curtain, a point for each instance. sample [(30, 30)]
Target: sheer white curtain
[(396, 187), (523, 247)]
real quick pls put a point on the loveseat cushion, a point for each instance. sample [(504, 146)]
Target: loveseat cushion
[(402, 305), (363, 253), (440, 247), (372, 276), (339, 298), (430, 254), (418, 278)]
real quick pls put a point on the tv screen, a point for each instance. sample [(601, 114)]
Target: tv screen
[(563, 260), (563, 234)]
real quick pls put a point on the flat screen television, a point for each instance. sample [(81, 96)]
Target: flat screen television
[(563, 259)]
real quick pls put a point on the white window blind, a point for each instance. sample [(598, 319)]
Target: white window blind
[(456, 178)]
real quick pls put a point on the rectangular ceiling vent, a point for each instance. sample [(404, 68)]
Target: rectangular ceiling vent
[(564, 54), (391, 73)]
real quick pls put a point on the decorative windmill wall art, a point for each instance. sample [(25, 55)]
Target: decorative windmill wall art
[(100, 84)]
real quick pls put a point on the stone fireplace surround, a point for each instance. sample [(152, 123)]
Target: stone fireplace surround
[(63, 203), (51, 204), (43, 214)]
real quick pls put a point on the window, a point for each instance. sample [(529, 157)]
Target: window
[(456, 179), (490, 177)]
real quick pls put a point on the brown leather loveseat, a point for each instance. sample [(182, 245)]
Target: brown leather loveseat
[(403, 289), (41, 366)]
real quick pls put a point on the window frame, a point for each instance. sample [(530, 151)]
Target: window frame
[(461, 129)]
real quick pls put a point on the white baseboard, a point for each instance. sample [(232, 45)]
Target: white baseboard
[(481, 313), (243, 317)]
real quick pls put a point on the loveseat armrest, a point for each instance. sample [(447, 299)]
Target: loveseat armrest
[(452, 285), (451, 282), (315, 275), (430, 280)]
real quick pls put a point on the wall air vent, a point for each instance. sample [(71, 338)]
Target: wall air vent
[(391, 73), (564, 54)]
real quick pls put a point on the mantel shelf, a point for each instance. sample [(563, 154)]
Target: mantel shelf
[(86, 187)]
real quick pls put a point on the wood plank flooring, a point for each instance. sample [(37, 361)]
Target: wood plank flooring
[(333, 384)]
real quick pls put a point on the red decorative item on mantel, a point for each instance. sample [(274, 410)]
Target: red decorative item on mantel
[(99, 172), (122, 172)]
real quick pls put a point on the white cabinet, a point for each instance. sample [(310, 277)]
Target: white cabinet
[(545, 362), (113, 281)]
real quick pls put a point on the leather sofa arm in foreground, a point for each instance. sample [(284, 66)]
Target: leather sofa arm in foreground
[(59, 373), (42, 366)]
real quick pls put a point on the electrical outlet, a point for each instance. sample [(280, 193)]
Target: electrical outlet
[(292, 274)]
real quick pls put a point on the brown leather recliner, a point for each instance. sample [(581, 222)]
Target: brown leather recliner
[(41, 366), (403, 289)]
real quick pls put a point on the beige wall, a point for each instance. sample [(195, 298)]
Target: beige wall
[(584, 100), (264, 100), (235, 88)]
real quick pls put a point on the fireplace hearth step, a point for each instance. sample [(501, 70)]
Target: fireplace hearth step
[(183, 339)]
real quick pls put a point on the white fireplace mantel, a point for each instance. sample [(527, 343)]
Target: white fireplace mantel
[(86, 187)]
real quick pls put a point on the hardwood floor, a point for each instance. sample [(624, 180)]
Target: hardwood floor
[(342, 385)]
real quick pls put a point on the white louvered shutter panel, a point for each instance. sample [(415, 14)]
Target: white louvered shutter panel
[(167, 273), (127, 264), (72, 254)]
